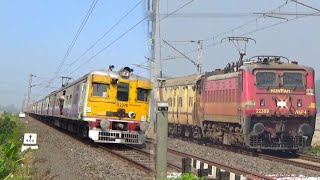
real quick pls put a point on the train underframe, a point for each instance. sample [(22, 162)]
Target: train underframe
[(278, 133), (83, 130)]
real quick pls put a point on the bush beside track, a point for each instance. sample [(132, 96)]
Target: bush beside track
[(315, 150), (11, 158)]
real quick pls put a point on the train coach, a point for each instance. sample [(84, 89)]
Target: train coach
[(105, 105), (264, 103)]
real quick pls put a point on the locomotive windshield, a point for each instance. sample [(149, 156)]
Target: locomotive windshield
[(99, 89), (293, 79), (142, 94), (266, 79), (123, 91)]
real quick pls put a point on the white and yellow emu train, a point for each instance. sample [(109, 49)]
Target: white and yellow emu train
[(105, 105)]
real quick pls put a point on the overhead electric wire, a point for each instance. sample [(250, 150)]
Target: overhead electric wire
[(282, 22), (116, 24), (245, 24), (107, 32), (233, 29), (212, 15), (114, 41), (256, 30), (305, 5), (77, 35), (178, 9), (73, 41)]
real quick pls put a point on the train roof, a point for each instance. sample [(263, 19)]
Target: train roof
[(222, 76), (183, 80), (250, 66), (112, 74), (257, 62)]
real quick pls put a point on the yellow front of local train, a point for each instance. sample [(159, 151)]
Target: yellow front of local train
[(118, 106)]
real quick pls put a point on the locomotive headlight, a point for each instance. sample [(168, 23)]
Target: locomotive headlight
[(144, 126), (299, 102), (262, 103), (305, 129), (258, 128), (105, 124), (125, 73), (132, 114)]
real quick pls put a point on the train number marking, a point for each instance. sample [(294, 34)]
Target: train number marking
[(300, 112), (123, 105), (262, 111)]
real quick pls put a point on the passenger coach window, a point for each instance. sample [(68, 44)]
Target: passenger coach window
[(291, 79), (142, 94), (266, 79), (99, 89), (123, 92)]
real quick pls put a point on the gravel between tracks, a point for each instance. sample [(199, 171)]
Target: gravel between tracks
[(61, 156), (249, 163)]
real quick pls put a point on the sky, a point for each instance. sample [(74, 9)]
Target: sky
[(35, 36)]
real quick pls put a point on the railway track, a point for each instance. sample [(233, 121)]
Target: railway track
[(235, 170), (137, 157), (220, 165), (309, 158), (303, 161)]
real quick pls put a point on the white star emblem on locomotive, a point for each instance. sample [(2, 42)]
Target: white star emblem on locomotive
[(282, 103)]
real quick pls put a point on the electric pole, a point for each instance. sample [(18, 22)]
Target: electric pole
[(161, 115), (29, 89), (200, 56)]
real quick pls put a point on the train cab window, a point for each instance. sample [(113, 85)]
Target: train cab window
[(266, 79), (123, 91), (293, 79), (99, 89), (142, 94)]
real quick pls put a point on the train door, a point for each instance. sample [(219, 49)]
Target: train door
[(54, 104), (198, 105), (82, 99), (48, 105), (239, 95)]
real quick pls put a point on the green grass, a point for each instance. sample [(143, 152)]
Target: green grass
[(315, 150), (11, 158), (186, 176)]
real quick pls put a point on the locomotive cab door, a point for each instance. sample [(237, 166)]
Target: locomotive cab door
[(239, 95), (198, 105), (82, 100)]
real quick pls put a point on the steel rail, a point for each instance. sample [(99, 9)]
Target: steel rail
[(309, 157), (286, 160), (220, 165), (134, 162), (153, 155), (291, 161)]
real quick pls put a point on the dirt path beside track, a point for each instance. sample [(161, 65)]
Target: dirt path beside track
[(61, 156)]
